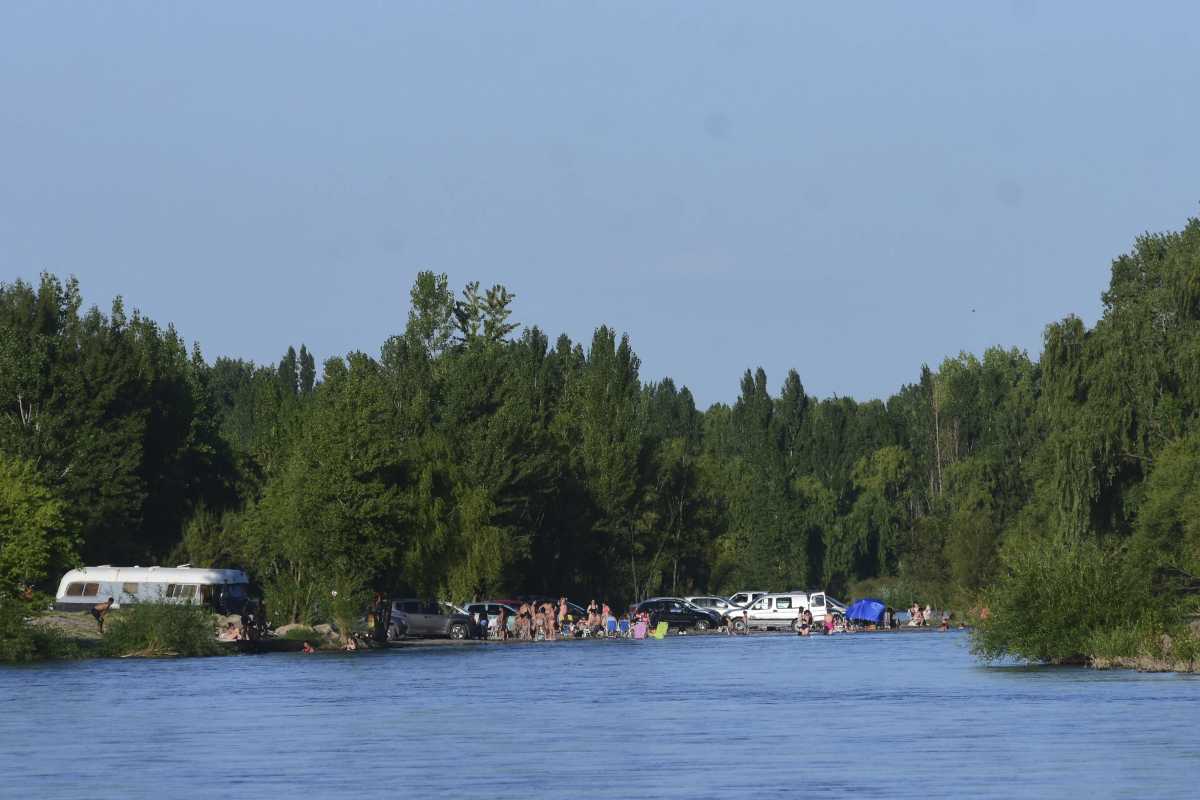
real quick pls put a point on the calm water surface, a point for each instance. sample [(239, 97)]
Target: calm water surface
[(903, 715)]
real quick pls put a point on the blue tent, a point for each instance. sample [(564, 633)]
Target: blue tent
[(866, 610)]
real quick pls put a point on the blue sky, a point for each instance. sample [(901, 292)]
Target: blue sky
[(847, 189)]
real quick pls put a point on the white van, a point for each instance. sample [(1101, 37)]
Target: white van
[(224, 590), (742, 599), (771, 611), (821, 605)]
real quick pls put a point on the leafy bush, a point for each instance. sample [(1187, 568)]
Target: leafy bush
[(158, 629), (22, 641), (291, 600), (1058, 596), (347, 606)]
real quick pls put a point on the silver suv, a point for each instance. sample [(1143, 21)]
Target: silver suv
[(414, 617)]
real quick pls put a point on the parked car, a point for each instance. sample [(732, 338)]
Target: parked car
[(771, 611), (718, 604), (678, 613), (742, 599), (415, 617), (490, 610)]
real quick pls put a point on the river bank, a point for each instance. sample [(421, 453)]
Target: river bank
[(78, 637)]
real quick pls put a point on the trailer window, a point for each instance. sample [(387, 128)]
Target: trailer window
[(91, 589), (75, 589), (129, 588)]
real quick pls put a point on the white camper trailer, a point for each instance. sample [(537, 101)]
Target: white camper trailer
[(223, 590)]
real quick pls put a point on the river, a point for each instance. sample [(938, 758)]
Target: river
[(872, 715)]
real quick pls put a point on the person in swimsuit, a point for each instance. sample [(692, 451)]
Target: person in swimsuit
[(100, 611), (527, 622), (539, 623)]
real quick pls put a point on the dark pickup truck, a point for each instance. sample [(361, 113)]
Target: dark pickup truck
[(428, 618)]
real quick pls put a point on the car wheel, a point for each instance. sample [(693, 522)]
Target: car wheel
[(701, 624), (739, 626), (393, 633), (458, 631)]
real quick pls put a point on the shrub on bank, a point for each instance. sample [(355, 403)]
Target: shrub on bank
[(154, 629), (1059, 596), (22, 641)]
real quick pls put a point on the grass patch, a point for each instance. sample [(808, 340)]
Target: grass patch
[(158, 629), (1109, 644), (21, 641), (303, 633)]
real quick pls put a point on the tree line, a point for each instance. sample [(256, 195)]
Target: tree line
[(474, 456)]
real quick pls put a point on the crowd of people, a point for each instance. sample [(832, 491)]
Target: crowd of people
[(547, 621), (920, 617)]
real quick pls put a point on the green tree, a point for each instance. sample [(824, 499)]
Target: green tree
[(34, 539)]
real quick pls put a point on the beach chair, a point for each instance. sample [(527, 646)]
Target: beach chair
[(661, 630), (639, 630), (612, 626), (623, 628)]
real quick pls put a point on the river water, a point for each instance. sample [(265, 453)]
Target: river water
[(882, 715)]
